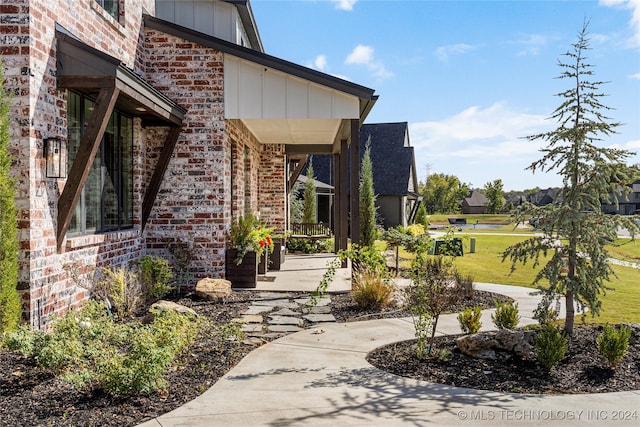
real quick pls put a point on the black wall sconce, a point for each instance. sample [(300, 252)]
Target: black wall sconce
[(55, 153)]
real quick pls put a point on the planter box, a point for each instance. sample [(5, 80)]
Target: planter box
[(244, 275), (276, 258)]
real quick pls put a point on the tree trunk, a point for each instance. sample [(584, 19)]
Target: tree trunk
[(569, 320), (433, 334)]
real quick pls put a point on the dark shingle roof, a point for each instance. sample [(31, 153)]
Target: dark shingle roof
[(392, 161)]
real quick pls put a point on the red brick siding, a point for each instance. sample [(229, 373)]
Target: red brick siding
[(38, 111)]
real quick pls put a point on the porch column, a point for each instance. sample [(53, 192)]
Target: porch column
[(354, 152), (343, 196), (337, 223)]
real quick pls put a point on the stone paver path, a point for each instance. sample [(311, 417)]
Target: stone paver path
[(272, 315)]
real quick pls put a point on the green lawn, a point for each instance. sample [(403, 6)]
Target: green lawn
[(619, 305), (503, 219)]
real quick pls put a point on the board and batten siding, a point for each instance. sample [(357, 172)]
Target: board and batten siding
[(215, 18), (253, 91)]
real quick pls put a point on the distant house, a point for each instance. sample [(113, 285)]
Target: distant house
[(514, 201), (628, 204), (395, 180), (476, 203), (324, 199), (544, 197)]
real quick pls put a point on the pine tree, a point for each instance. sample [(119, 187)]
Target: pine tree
[(367, 200), (576, 230), (421, 216), (309, 211), (10, 306)]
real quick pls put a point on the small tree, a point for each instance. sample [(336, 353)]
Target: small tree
[(421, 216), (433, 292), (576, 231), (10, 306), (495, 194), (309, 211), (367, 200)]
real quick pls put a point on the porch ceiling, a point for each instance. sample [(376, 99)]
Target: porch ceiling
[(295, 131)]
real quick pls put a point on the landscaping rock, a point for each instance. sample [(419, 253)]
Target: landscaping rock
[(485, 344), (213, 289), (169, 305)]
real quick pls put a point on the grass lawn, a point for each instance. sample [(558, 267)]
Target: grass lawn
[(619, 305), (503, 219)]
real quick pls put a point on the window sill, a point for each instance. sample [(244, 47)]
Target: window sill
[(113, 22), (87, 240)]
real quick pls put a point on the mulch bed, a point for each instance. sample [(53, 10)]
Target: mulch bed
[(583, 370), (30, 396)]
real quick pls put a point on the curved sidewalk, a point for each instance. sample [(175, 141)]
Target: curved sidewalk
[(321, 378)]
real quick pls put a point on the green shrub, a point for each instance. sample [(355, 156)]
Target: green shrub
[(371, 290), (120, 289), (550, 346), (613, 344), (309, 246), (10, 304), (545, 315), (470, 320), (88, 349), (155, 274), (506, 315)]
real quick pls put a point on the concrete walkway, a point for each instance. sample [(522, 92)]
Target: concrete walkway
[(321, 378)]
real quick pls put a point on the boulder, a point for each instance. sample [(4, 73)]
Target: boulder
[(169, 305), (213, 289), (485, 344)]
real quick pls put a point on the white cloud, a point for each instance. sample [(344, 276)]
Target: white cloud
[(320, 63), (634, 22), (480, 144), (635, 76), (344, 4), (445, 52), (360, 55), (363, 55), (532, 43)]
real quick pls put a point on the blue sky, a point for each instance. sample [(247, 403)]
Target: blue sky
[(472, 78)]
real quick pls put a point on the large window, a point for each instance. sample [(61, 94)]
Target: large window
[(106, 202)]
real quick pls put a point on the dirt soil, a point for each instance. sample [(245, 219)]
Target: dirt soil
[(30, 396), (583, 369)]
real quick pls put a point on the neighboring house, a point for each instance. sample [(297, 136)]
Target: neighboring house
[(514, 200), (140, 124), (544, 197), (324, 199), (395, 181), (628, 204), (475, 203)]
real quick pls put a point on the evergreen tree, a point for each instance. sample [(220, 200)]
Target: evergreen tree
[(10, 306), (494, 191), (367, 200), (309, 211), (576, 230), (421, 216)]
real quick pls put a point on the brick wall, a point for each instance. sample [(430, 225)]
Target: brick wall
[(193, 204), (38, 111)]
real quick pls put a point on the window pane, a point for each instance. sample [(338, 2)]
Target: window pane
[(110, 169), (74, 133), (126, 154), (91, 192)]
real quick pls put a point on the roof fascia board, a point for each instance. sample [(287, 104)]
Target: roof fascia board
[(366, 94)]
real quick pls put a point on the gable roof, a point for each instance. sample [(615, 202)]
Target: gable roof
[(392, 159), (476, 198), (365, 93)]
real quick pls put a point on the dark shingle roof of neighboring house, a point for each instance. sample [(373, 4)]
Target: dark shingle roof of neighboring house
[(476, 198), (392, 161)]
